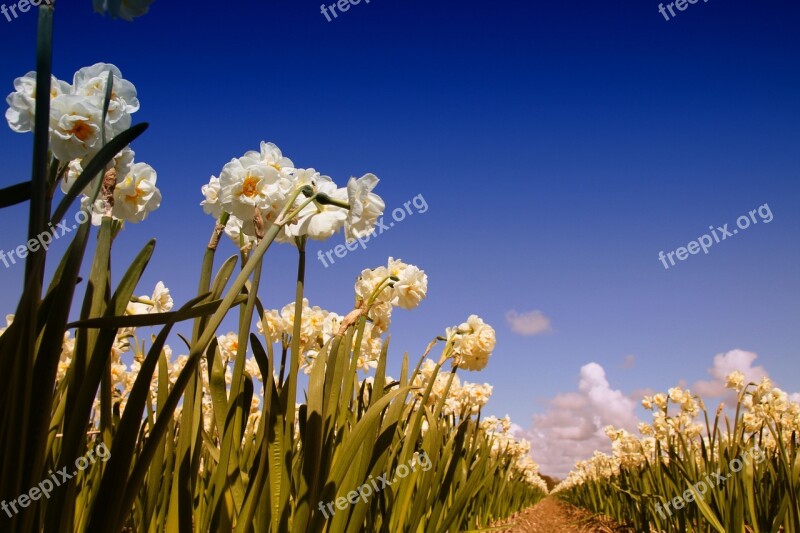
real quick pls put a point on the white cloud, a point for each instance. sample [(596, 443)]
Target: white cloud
[(529, 323), (571, 429), (725, 364)]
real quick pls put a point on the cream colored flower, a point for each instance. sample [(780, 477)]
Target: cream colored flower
[(365, 207), (246, 185), (735, 381), (91, 82), (473, 343), (412, 287), (136, 195), (123, 162), (21, 112), (211, 205), (75, 126), (318, 221)]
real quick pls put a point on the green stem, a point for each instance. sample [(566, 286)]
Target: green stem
[(294, 364)]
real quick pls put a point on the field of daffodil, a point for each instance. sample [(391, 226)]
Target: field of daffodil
[(715, 475), (218, 437)]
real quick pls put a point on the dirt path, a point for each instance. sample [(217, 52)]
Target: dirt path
[(553, 516)]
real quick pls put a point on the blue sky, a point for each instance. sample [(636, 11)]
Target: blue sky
[(559, 147)]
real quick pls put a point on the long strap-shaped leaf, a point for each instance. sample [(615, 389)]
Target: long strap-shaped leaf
[(15, 194), (75, 430), (109, 500)]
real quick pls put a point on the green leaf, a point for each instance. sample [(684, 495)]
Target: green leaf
[(153, 319), (15, 194)]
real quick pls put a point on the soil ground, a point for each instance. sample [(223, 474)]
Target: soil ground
[(554, 516)]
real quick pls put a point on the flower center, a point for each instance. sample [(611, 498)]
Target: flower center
[(81, 130), (250, 186)]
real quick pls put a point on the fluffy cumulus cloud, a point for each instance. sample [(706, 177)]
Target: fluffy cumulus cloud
[(571, 428), (529, 323), (724, 364)]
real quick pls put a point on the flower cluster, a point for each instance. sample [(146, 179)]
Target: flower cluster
[(77, 134), (766, 415), (460, 399), (518, 451), (380, 289), (317, 327), (473, 342), (398, 284), (262, 189), (767, 406)]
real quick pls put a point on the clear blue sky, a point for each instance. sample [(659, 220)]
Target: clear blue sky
[(559, 146)]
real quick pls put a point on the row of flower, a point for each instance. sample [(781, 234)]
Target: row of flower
[(215, 439), (681, 474)]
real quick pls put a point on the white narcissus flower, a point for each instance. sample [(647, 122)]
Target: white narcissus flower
[(21, 110), (272, 156), (211, 205), (162, 301), (276, 325), (123, 162), (91, 82), (365, 207), (412, 287), (318, 221), (98, 209), (136, 195), (75, 127), (381, 316), (228, 346), (124, 9), (473, 344), (233, 229), (159, 302), (246, 185), (735, 381), (368, 283)]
